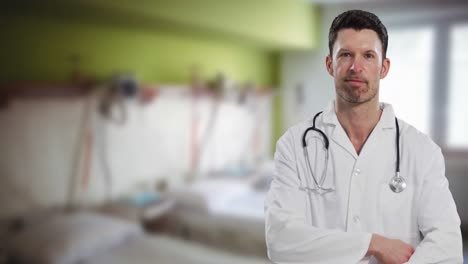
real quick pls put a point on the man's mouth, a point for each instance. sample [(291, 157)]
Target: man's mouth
[(355, 81)]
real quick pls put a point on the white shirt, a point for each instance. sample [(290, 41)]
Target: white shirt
[(336, 227)]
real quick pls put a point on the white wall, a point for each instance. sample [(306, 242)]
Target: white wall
[(42, 146), (308, 69)]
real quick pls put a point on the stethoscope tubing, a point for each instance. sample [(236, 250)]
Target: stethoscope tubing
[(397, 177)]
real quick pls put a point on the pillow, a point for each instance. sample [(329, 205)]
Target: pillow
[(68, 238)]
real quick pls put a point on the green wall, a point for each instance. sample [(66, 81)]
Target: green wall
[(279, 24), (157, 41), (42, 49)]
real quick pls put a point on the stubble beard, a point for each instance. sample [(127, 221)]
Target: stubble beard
[(350, 95)]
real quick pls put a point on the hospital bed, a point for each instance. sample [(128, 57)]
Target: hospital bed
[(92, 238), (225, 213)]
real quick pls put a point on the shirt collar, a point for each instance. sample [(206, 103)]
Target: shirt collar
[(387, 120)]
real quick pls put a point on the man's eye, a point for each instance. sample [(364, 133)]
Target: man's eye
[(369, 56), (345, 54)]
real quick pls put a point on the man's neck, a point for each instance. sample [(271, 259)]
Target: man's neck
[(358, 121)]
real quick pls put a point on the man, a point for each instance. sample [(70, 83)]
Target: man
[(347, 204)]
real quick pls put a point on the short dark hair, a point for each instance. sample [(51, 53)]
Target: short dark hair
[(358, 20)]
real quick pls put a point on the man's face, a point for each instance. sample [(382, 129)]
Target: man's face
[(356, 65)]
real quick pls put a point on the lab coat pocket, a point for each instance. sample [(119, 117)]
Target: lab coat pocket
[(394, 206), (391, 201)]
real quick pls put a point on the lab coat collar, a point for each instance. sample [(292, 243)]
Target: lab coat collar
[(329, 114), (387, 120)]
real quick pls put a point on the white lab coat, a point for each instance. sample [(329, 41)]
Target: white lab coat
[(336, 227)]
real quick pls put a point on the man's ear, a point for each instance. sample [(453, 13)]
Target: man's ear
[(329, 64), (385, 68)]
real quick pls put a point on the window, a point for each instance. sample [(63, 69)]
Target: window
[(458, 88), (408, 84)]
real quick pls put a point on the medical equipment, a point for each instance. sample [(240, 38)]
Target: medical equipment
[(320, 189), (397, 184)]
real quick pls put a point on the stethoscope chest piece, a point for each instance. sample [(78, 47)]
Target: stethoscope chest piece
[(397, 184)]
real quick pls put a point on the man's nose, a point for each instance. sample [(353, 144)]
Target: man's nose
[(356, 64)]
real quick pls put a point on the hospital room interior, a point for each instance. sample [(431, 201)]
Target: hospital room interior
[(145, 132)]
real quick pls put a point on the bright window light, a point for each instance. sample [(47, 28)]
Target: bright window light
[(408, 84), (458, 93)]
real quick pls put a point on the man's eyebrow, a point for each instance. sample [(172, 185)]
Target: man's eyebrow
[(343, 50)]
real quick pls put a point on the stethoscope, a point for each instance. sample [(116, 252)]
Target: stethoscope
[(397, 183)]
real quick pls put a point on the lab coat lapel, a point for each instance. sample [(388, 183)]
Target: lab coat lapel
[(371, 142), (339, 136), (387, 121), (337, 133), (342, 139)]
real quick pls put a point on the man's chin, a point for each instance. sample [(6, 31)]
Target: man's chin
[(358, 99)]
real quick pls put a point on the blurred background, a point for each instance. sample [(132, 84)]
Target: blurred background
[(165, 114)]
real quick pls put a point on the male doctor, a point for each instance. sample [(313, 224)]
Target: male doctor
[(352, 207)]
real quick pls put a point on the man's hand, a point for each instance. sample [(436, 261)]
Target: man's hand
[(389, 251)]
